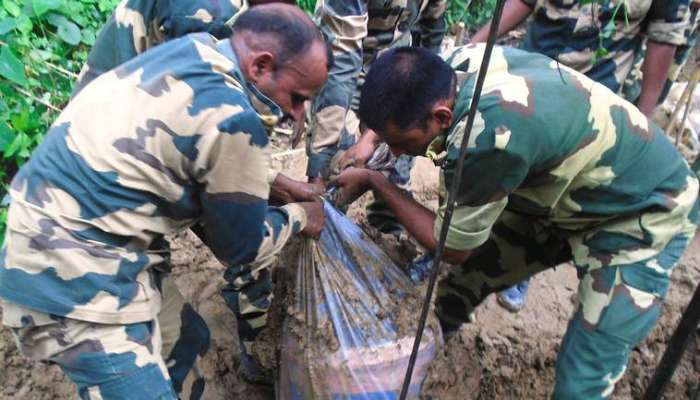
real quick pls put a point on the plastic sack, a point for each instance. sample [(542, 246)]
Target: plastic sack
[(351, 325)]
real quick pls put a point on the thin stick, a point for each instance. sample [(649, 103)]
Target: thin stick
[(684, 98), (38, 100), (65, 72), (493, 33)]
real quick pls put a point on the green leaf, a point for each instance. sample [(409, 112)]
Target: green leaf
[(11, 67), (56, 19), (11, 7), (6, 136), (15, 146), (69, 32), (7, 25), (24, 24), (42, 6), (88, 37), (20, 121)]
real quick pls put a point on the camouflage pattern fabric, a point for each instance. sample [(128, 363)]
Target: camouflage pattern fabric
[(105, 361), (115, 174), (137, 25), (183, 338), (587, 179), (570, 31), (358, 32), (633, 83)]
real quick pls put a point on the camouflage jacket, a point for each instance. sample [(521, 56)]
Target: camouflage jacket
[(171, 145), (589, 165), (358, 31), (570, 31), (137, 25)]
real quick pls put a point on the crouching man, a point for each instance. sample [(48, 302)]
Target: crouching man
[(558, 169), (174, 137)]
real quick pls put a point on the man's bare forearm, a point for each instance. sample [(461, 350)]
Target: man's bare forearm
[(657, 63), (417, 219), (514, 12)]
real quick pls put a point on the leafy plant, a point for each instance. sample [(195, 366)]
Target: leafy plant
[(43, 44)]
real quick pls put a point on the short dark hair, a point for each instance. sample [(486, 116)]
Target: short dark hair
[(401, 87), (293, 32)]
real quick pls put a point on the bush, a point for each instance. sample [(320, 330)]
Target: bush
[(43, 44)]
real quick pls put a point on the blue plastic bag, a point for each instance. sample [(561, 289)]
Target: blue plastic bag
[(349, 331)]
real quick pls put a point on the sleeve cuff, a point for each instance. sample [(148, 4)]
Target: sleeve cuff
[(297, 217), (667, 32), (470, 226)]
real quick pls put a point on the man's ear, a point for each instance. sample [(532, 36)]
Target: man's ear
[(262, 63), (442, 115)]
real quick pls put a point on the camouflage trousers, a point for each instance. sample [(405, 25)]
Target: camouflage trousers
[(248, 293), (146, 360), (618, 305)]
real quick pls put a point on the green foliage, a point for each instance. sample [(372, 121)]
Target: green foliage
[(473, 13), (43, 45)]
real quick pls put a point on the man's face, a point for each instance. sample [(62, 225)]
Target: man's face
[(413, 141), (292, 84)]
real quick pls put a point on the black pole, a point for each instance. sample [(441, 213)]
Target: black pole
[(675, 348), (493, 34)]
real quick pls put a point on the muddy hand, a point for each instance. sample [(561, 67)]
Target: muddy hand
[(285, 190), (360, 152), (315, 218), (351, 184)]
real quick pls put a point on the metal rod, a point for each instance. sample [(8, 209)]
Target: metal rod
[(675, 348), (493, 33)]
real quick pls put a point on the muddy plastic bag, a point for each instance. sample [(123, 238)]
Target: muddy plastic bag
[(350, 327)]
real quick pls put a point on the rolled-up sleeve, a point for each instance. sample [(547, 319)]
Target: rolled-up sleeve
[(667, 20)]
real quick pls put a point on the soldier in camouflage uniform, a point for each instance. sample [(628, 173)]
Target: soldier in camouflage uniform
[(633, 84), (174, 137), (571, 32), (587, 179), (358, 32), (134, 27)]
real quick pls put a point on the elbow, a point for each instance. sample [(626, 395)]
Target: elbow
[(456, 257)]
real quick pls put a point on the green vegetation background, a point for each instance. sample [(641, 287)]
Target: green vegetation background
[(43, 45)]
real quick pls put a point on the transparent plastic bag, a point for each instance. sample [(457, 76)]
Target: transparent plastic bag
[(350, 328)]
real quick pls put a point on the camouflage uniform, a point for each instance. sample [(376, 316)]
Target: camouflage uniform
[(633, 84), (590, 181), (137, 25), (358, 32), (174, 144), (568, 31)]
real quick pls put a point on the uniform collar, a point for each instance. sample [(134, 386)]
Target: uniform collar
[(437, 149), (268, 111), (242, 7)]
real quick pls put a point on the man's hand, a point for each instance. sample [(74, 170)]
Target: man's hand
[(353, 183), (315, 218), (285, 190), (358, 155)]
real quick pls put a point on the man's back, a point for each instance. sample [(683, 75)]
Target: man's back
[(572, 31), (560, 146), (142, 151), (138, 25)]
